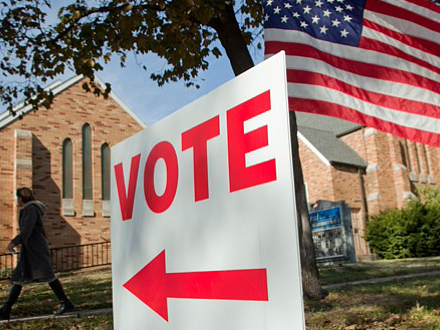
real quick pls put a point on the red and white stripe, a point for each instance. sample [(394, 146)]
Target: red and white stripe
[(390, 82)]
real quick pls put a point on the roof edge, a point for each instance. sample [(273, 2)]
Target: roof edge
[(57, 87), (313, 149), (122, 104), (336, 162), (349, 131), (21, 109)]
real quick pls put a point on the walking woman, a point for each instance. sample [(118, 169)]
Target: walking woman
[(34, 262)]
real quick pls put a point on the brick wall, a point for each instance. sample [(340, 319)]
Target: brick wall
[(317, 175), (7, 177), (71, 109)]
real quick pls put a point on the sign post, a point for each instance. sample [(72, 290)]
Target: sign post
[(203, 214)]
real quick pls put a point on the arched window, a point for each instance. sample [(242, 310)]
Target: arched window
[(67, 169), (403, 154), (105, 171), (87, 162), (425, 154)]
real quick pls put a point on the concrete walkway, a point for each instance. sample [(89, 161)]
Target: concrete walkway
[(327, 287), (50, 316), (380, 280)]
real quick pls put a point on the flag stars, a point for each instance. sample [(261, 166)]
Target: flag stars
[(347, 18), (269, 2), (277, 10), (304, 24), (287, 5), (339, 9), (307, 9), (336, 22), (326, 13), (344, 33), (298, 2), (330, 1), (349, 7), (284, 19), (296, 14), (266, 18), (319, 3), (315, 19), (323, 29)]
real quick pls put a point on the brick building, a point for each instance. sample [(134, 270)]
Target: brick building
[(369, 169), (64, 154)]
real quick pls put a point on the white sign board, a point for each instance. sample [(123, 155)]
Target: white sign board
[(203, 214)]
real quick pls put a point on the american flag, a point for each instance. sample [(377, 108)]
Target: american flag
[(374, 62)]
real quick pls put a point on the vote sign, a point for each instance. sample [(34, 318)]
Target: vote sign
[(203, 215)]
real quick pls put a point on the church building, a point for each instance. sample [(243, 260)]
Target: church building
[(63, 154)]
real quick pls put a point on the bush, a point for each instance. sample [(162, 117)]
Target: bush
[(409, 232)]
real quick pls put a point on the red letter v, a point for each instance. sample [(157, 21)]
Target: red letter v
[(127, 200)]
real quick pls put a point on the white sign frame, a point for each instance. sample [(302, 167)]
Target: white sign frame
[(249, 228)]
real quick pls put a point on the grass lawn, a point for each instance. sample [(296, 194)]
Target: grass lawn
[(406, 305)]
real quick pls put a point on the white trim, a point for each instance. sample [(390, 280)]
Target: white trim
[(313, 149), (122, 104), (373, 167), (407, 194), (57, 87), (374, 196), (398, 167), (369, 131), (21, 109), (26, 163)]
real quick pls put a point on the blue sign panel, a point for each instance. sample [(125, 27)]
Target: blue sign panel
[(330, 218)]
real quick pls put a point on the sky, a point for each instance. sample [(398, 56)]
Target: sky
[(135, 88), (133, 85)]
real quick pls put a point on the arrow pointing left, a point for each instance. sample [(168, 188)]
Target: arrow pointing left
[(154, 286)]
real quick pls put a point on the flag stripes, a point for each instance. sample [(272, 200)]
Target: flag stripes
[(390, 80)]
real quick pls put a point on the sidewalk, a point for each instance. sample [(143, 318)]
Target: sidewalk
[(67, 315), (380, 280), (327, 287)]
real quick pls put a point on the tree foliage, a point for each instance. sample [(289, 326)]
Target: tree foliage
[(87, 34)]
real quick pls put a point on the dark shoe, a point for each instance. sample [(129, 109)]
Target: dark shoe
[(65, 307), (5, 311), (5, 314)]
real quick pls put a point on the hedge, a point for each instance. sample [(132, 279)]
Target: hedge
[(410, 232)]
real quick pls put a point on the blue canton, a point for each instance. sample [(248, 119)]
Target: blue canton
[(338, 21)]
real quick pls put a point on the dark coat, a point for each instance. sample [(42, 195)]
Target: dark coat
[(34, 261)]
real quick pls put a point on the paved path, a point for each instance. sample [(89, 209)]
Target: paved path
[(72, 314), (380, 280), (331, 286)]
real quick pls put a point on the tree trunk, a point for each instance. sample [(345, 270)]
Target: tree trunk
[(232, 40), (310, 274)]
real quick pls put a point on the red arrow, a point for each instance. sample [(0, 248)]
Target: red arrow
[(154, 286)]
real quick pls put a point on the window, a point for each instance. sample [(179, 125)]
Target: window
[(417, 157), (67, 169), (425, 153), (403, 154), (87, 162), (105, 171)]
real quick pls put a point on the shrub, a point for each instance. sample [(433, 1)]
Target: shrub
[(412, 231)]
